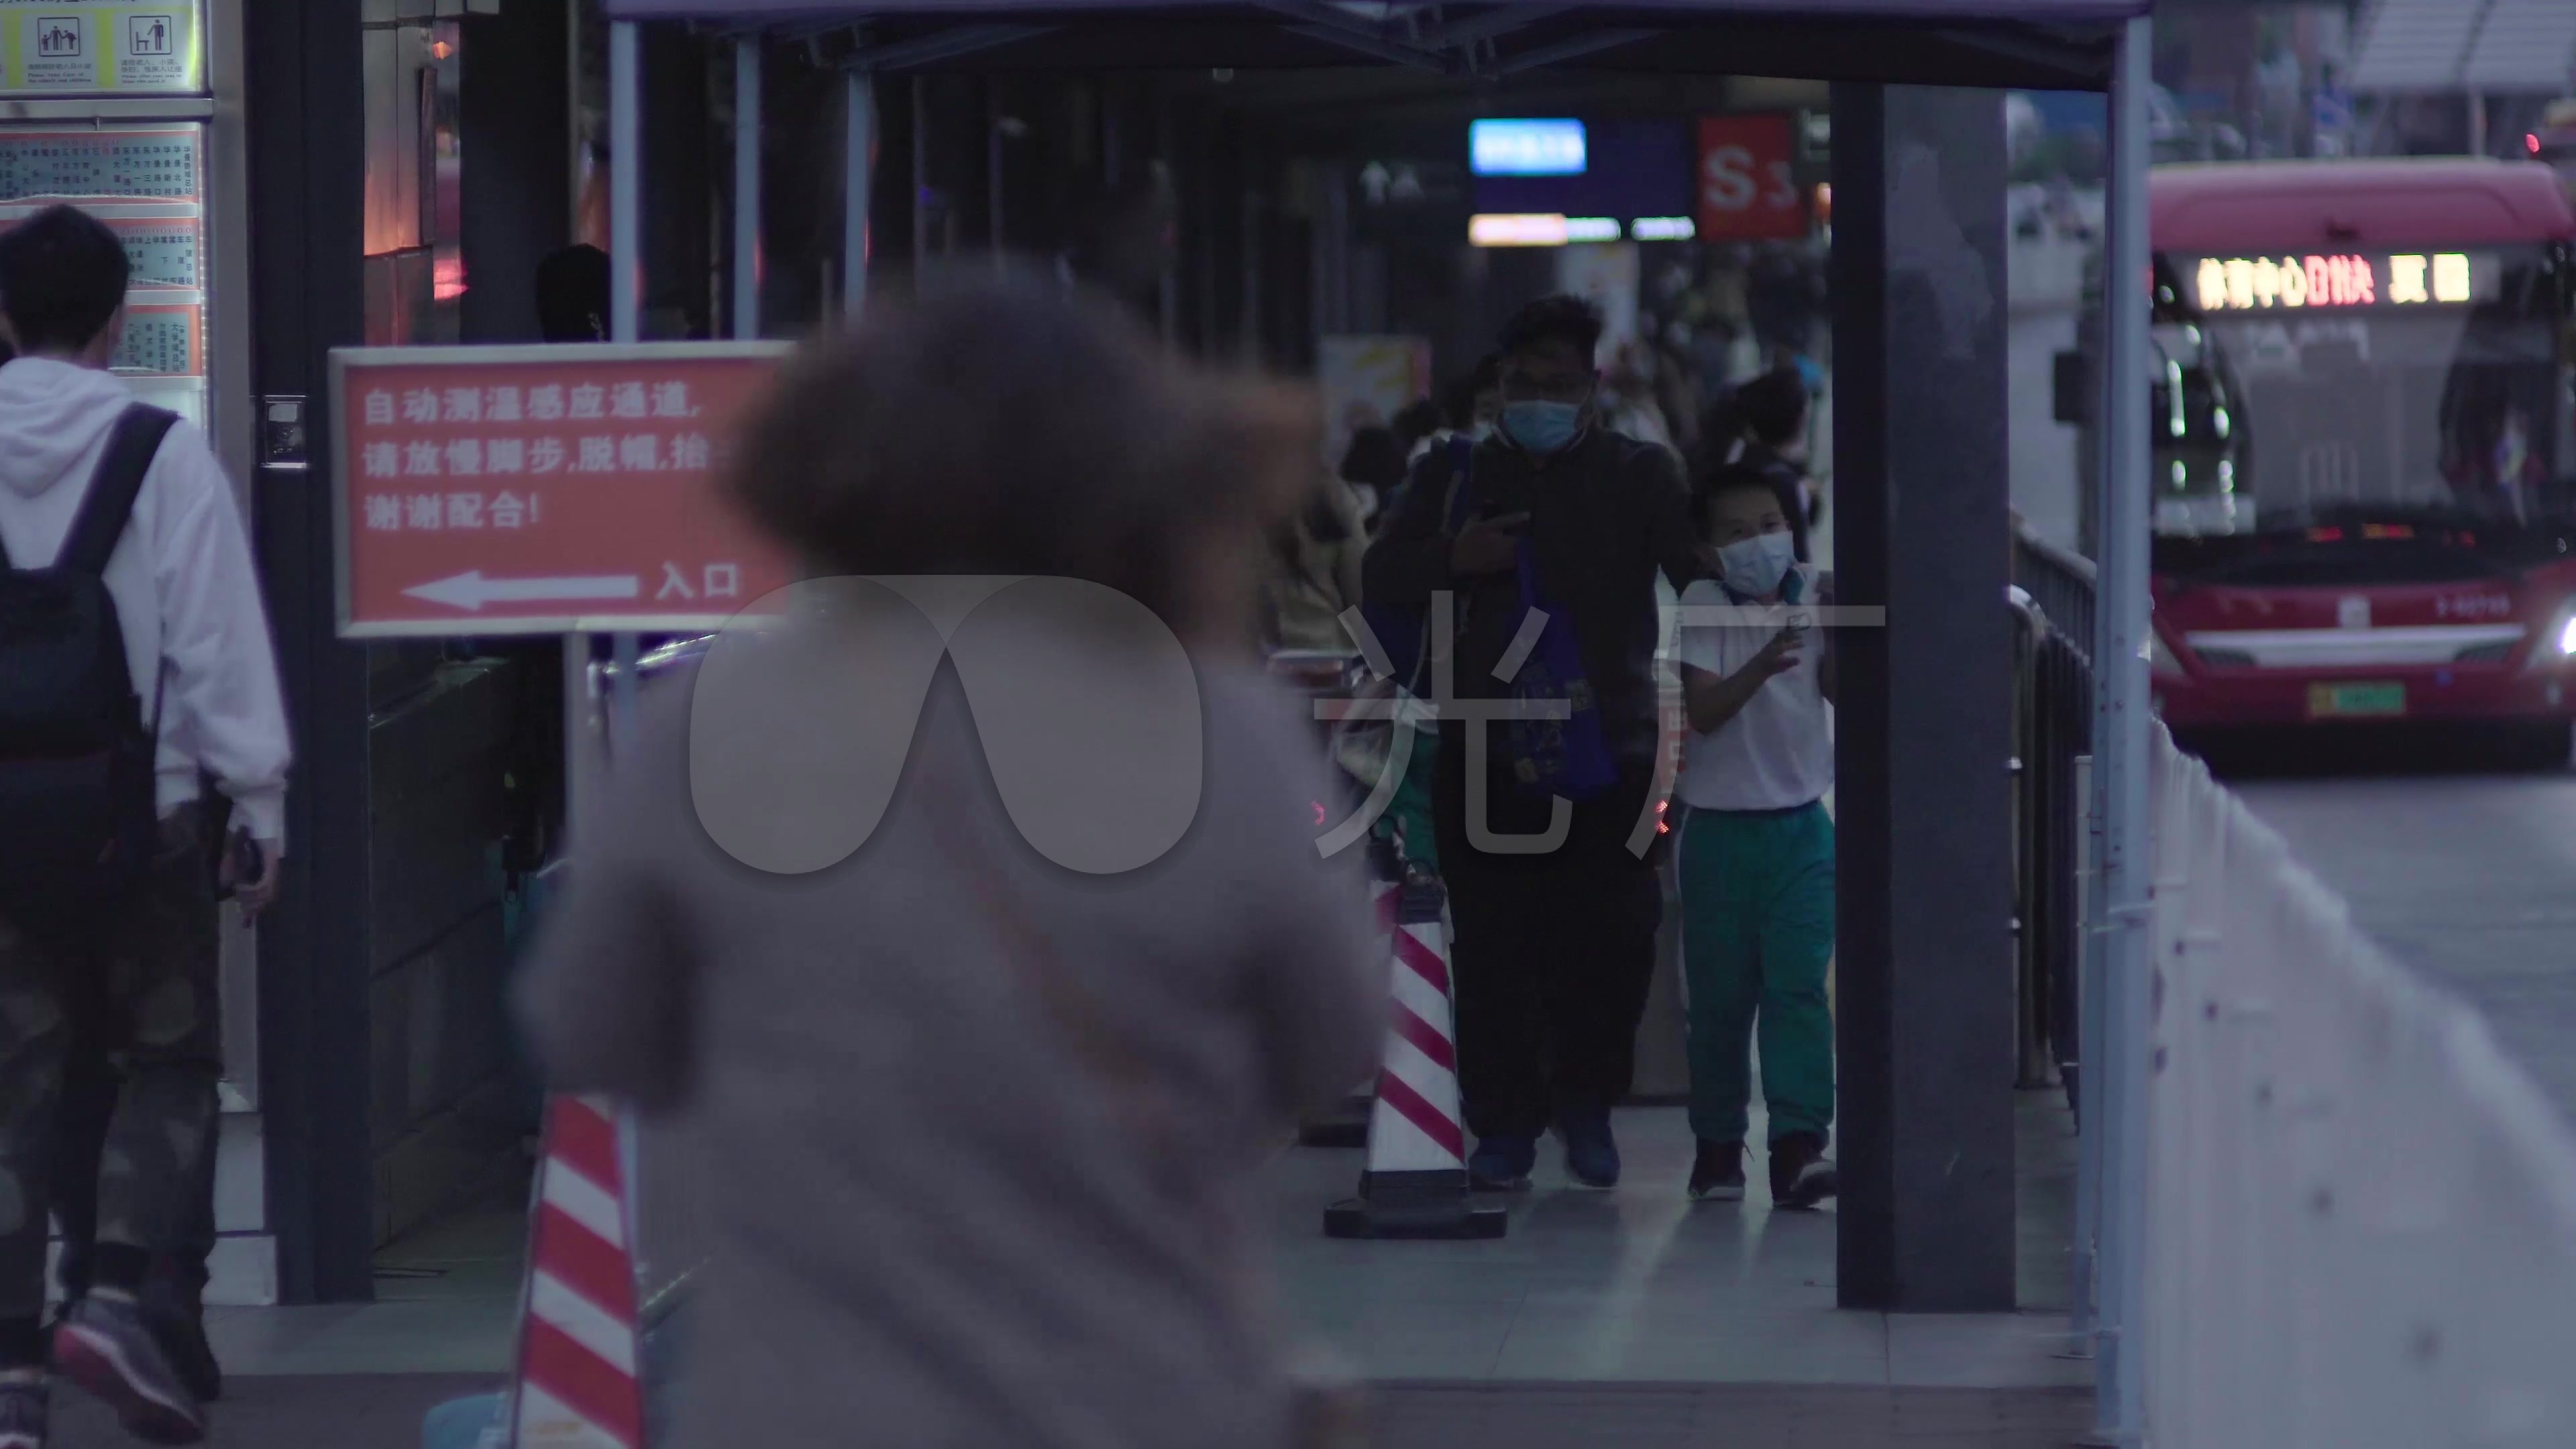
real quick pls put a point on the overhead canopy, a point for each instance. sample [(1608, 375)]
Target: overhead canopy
[(2040, 44), (2489, 47)]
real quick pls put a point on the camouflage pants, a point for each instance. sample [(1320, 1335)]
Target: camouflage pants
[(144, 985)]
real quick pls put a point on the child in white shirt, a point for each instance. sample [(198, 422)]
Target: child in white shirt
[(1756, 848)]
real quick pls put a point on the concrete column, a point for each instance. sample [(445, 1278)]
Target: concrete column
[(518, 195), (308, 149), (1925, 989)]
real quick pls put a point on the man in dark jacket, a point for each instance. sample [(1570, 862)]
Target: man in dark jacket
[(1554, 949)]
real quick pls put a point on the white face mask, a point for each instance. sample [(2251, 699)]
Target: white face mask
[(1755, 566)]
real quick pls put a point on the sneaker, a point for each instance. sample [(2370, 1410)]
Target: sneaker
[(23, 1411), (179, 1322), (105, 1346), (1717, 1175), (1591, 1153), (1800, 1175), (1502, 1164)]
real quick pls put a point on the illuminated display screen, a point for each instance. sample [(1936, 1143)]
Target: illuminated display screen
[(2300, 283), (1547, 229), (1527, 148)]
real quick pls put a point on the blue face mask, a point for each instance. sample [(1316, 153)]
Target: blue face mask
[(1756, 566), (1543, 427)]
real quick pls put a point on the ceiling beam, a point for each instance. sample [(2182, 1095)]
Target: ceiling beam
[(1573, 47)]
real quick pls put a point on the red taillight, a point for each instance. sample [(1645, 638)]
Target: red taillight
[(2531, 143)]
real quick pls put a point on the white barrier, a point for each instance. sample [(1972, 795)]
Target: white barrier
[(2360, 1227)]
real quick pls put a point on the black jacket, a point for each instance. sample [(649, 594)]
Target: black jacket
[(1604, 516)]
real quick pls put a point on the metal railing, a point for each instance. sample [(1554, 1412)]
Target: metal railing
[(2060, 582), (2356, 1221), (2052, 745), (2359, 1214)]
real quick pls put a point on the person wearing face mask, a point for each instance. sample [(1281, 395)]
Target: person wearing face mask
[(1554, 946), (1763, 426), (1756, 849)]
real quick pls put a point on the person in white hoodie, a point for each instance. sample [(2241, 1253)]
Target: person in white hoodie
[(140, 974)]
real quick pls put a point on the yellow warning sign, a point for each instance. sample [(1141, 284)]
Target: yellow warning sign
[(102, 47)]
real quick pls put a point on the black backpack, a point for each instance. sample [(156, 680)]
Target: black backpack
[(77, 757)]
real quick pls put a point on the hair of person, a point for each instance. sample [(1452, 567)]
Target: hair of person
[(1458, 399), (573, 294), (1561, 319), (994, 424), (63, 274), (1773, 406), (1376, 457), (1728, 479), (1418, 420)]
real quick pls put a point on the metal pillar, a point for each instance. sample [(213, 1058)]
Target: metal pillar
[(856, 188), (2121, 736), (748, 265), (2083, 1291), (1168, 289), (625, 181), (994, 123), (921, 192), (303, 60)]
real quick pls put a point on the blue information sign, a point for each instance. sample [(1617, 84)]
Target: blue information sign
[(1526, 148)]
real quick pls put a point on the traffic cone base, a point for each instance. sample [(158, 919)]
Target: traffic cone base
[(1415, 1205)]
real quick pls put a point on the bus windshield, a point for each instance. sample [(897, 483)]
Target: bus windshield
[(2269, 417)]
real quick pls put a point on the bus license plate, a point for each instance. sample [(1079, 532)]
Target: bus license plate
[(2346, 700)]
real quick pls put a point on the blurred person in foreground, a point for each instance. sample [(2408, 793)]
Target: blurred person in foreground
[(979, 1128)]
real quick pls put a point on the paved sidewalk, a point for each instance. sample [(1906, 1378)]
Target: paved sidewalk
[(1627, 1320), (335, 1411), (1707, 1416), (384, 1412)]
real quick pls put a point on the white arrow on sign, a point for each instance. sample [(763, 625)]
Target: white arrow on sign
[(471, 591)]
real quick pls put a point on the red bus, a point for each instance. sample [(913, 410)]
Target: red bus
[(2364, 448)]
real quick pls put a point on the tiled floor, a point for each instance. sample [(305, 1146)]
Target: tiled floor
[(1642, 1285), (1637, 1286)]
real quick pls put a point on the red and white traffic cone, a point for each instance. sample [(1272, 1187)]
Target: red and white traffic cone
[(1415, 1185), (578, 1385)]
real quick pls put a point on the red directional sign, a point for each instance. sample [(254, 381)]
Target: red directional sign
[(545, 490), (1745, 187)]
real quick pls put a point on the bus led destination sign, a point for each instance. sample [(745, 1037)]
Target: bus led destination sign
[(2404, 279)]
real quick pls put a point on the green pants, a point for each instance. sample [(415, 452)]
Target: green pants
[(1408, 815), (1757, 892)]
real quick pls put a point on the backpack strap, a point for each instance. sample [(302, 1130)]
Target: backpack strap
[(1462, 468), (131, 448)]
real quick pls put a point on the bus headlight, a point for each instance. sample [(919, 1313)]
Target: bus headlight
[(2556, 646)]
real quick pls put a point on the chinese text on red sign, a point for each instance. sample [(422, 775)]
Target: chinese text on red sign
[(566, 490)]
